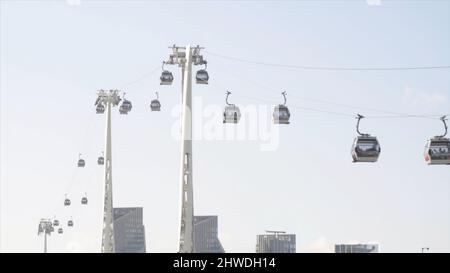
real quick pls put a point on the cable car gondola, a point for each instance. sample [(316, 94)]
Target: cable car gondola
[(70, 222), (100, 109), (66, 201), (81, 163), (155, 105), (55, 223), (101, 160), (281, 113), (437, 149), (166, 77), (60, 230), (84, 200), (202, 76), (125, 107), (366, 148), (231, 114)]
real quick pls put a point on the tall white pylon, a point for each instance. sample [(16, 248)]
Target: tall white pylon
[(108, 99), (45, 227), (185, 57)]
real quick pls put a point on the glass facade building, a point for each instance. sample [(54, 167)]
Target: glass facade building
[(129, 231), (356, 248), (206, 238), (276, 243)]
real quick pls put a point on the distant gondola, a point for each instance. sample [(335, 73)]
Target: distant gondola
[(155, 105), (281, 112), (202, 76), (365, 148), (166, 77), (437, 149), (81, 163), (66, 201), (125, 107), (231, 114)]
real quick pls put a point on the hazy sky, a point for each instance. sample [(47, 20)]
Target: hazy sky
[(54, 55)]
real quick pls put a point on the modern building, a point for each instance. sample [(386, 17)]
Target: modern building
[(356, 248), (206, 238), (129, 231), (275, 242)]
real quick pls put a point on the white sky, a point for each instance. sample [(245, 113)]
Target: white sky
[(55, 55)]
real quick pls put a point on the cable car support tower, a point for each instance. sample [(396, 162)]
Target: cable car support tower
[(185, 57), (109, 99), (45, 227)]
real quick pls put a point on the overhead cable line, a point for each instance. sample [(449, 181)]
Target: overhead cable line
[(343, 113), (330, 68), (397, 115), (392, 113), (144, 76)]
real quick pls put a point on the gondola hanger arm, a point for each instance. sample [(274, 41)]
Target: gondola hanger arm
[(443, 119), (284, 96), (226, 99), (359, 117)]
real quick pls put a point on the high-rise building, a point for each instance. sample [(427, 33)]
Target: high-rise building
[(206, 238), (275, 242), (356, 248), (129, 231)]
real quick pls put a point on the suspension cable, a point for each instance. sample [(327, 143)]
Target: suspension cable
[(329, 68)]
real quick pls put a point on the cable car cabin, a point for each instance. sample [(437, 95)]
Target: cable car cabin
[(155, 105), (60, 230), (81, 163), (232, 114), (67, 202), (281, 114), (202, 77), (100, 108), (365, 149), (166, 78), (84, 201), (101, 160), (125, 107), (437, 151), (55, 223), (70, 223)]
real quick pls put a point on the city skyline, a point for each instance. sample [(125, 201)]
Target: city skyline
[(56, 55), (276, 242), (356, 248)]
